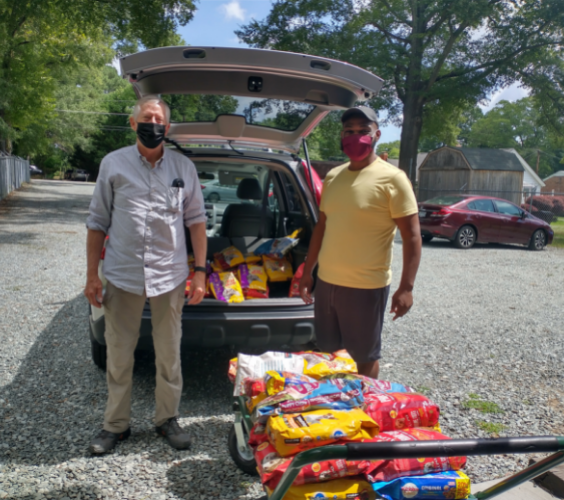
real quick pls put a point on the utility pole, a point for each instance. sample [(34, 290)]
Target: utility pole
[(538, 159)]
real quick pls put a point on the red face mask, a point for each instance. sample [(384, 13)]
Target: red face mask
[(357, 147)]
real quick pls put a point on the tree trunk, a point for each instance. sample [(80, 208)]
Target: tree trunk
[(410, 132)]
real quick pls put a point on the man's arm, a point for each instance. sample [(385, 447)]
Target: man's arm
[(306, 283), (200, 246), (93, 289), (410, 231)]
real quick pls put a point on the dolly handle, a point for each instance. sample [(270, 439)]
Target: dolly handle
[(453, 448)]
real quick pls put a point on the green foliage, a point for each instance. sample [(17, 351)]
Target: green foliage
[(435, 56), (474, 402), (490, 427), (325, 141), (393, 149)]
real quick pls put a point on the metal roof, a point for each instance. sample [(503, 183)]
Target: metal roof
[(491, 159)]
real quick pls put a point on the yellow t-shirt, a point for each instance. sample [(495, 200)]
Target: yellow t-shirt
[(360, 207)]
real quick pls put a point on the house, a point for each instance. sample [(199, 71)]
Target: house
[(532, 183), (554, 184), (491, 172)]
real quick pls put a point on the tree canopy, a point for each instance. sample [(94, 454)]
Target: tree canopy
[(436, 56)]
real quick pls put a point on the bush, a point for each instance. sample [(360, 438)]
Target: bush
[(540, 202)]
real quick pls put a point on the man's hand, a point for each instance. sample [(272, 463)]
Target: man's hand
[(401, 303), (306, 284), (197, 289), (93, 291)]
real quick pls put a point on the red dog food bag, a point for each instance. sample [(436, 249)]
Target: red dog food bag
[(295, 285), (397, 410), (388, 470)]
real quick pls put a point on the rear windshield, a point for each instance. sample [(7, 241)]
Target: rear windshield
[(272, 113), (445, 200)]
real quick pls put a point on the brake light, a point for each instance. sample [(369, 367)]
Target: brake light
[(443, 212)]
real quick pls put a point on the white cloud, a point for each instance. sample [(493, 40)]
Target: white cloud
[(232, 10), (512, 93)]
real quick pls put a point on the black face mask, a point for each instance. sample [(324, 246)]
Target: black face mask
[(151, 135)]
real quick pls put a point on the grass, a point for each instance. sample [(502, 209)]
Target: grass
[(475, 403), (490, 427), (558, 228), (423, 389)]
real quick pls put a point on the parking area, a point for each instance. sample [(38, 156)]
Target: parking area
[(484, 340)]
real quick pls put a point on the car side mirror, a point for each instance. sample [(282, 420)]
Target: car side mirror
[(523, 215)]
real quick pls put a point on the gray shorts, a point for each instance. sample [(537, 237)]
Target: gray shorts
[(351, 319)]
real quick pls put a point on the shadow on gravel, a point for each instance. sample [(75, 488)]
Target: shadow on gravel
[(55, 205), (74, 491), (55, 403)]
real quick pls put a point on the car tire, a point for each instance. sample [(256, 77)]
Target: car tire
[(99, 352), (213, 198), (465, 237), (426, 238), (246, 464), (538, 240)]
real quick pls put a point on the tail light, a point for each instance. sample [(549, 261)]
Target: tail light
[(443, 212)]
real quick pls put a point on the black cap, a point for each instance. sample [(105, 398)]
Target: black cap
[(362, 111)]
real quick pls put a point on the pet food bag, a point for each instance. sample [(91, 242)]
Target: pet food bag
[(271, 466), (442, 485), (388, 470), (319, 366), (340, 489), (251, 258), (278, 270), (275, 381), (397, 411), (227, 259), (295, 432), (253, 281), (279, 247), (295, 285), (226, 288), (370, 384)]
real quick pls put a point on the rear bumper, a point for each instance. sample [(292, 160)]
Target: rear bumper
[(217, 326), (438, 228)]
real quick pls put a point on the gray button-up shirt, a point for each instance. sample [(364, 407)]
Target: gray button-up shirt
[(144, 217)]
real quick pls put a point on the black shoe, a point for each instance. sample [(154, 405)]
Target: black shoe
[(174, 434), (106, 441)]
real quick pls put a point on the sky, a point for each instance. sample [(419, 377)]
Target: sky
[(216, 21)]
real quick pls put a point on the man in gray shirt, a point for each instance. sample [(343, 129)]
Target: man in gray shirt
[(144, 196)]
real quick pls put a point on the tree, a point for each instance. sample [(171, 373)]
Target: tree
[(42, 41), (441, 53), (393, 149)]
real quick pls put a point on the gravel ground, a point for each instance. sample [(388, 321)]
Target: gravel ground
[(486, 326)]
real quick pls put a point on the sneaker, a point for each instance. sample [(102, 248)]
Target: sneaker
[(106, 441), (174, 434)]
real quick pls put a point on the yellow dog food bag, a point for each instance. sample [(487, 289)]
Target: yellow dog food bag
[(339, 489), (292, 433), (278, 269), (227, 259)]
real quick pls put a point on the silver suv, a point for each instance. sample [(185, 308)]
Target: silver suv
[(243, 116)]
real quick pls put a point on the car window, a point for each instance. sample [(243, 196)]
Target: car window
[(445, 200), (481, 205), (507, 208)]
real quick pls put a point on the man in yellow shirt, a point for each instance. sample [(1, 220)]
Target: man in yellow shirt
[(362, 204)]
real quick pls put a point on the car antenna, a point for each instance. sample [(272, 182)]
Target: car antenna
[(184, 151), (236, 150)]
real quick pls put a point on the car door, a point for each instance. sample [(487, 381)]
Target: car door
[(513, 228), (484, 216)]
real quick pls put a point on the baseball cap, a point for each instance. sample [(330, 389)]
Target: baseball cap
[(360, 111)]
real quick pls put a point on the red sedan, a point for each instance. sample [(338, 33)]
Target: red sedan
[(468, 219)]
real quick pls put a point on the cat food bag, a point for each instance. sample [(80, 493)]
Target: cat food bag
[(253, 281), (227, 259), (397, 411), (226, 288), (279, 247), (442, 485), (388, 470), (294, 432), (370, 384), (278, 381)]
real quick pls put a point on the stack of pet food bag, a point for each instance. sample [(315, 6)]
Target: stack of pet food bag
[(307, 400), (233, 277)]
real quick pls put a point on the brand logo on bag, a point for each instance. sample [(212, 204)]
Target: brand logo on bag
[(409, 490), (262, 446)]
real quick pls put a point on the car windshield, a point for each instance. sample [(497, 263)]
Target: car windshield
[(445, 200), (272, 113)]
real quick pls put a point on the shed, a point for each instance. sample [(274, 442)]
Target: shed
[(489, 172), (420, 158)]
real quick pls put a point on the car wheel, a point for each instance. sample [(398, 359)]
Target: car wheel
[(213, 198), (465, 237), (244, 460), (99, 353), (538, 240), (426, 238)]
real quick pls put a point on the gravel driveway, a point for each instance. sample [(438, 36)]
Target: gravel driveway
[(485, 331)]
